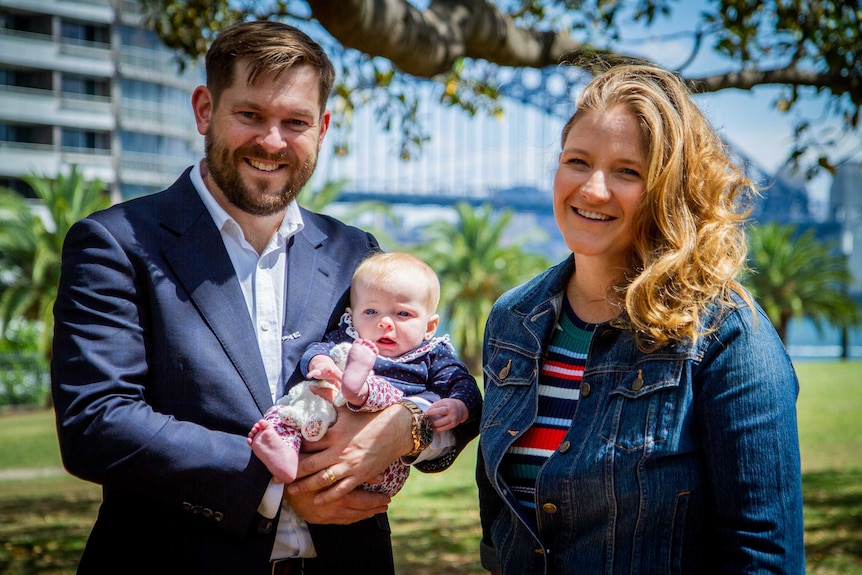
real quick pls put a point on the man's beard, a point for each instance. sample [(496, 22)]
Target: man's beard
[(223, 170)]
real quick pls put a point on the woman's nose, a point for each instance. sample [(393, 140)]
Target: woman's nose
[(595, 188)]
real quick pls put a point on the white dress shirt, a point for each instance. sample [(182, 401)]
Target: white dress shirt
[(262, 278)]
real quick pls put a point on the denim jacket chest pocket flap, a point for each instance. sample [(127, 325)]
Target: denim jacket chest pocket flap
[(647, 402), (509, 370)]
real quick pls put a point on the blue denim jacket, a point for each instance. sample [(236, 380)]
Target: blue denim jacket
[(684, 460)]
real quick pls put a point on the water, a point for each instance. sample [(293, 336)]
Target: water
[(804, 341)]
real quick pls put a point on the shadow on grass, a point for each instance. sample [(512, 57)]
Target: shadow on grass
[(440, 534), (44, 525), (833, 520), (45, 534)]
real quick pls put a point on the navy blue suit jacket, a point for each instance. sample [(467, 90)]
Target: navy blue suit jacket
[(157, 379)]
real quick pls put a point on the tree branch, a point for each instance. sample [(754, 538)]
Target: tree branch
[(425, 43), (788, 76)]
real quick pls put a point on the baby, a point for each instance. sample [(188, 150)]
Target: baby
[(393, 354)]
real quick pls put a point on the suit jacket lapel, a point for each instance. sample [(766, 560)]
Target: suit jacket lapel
[(312, 293), (197, 255)]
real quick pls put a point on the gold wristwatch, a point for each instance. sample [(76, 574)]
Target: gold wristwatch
[(420, 428)]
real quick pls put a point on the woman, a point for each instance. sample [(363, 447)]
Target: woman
[(639, 408)]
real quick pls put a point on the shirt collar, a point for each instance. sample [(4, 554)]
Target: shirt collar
[(290, 225)]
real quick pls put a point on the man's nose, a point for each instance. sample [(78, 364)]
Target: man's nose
[(272, 139)]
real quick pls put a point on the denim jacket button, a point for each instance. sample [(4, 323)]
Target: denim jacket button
[(564, 447), (549, 508), (639, 381), (585, 389), (504, 373)]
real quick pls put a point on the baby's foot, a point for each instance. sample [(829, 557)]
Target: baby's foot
[(280, 458), (360, 362)]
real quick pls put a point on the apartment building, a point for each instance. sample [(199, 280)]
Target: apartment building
[(82, 82)]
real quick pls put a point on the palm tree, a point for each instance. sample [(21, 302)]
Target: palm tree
[(30, 247), (475, 268), (795, 275)]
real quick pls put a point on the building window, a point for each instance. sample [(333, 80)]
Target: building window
[(84, 33), (25, 134), (74, 139), (33, 79), (83, 86), (32, 23)]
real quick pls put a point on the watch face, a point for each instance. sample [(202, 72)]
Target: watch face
[(426, 431)]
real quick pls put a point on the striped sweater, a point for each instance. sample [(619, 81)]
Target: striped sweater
[(559, 390)]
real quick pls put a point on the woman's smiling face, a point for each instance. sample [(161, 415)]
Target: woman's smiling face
[(599, 184)]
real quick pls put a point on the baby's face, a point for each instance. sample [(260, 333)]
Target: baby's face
[(395, 316)]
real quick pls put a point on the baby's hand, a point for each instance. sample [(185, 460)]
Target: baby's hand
[(447, 413), (323, 367)]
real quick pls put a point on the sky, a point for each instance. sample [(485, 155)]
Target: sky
[(522, 147), (747, 118)]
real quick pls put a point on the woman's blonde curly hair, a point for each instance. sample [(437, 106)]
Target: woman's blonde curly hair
[(689, 230)]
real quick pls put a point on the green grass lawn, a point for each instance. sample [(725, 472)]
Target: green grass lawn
[(44, 521)]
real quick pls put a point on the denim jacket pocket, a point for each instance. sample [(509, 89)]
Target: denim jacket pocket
[(645, 404), (509, 370)]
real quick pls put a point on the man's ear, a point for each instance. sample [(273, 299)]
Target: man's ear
[(202, 104), (324, 127), (433, 322)]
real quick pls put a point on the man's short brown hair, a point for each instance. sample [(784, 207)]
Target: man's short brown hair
[(270, 48)]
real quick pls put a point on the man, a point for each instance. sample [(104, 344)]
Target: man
[(182, 316)]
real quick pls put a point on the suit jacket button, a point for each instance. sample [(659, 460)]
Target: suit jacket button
[(186, 506), (197, 509), (264, 526), (218, 516), (207, 512)]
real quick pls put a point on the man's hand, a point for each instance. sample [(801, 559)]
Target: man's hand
[(355, 506), (357, 449)]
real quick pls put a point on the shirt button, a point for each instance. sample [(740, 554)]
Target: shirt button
[(564, 447), (585, 389), (549, 508)]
